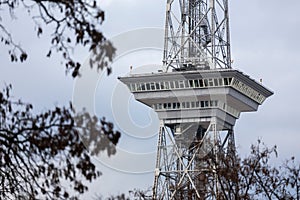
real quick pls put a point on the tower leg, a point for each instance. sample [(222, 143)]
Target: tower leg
[(160, 144), (193, 169)]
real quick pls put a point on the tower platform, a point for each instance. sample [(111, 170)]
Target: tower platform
[(183, 97)]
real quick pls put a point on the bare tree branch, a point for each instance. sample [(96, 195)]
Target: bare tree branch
[(74, 22), (39, 152)]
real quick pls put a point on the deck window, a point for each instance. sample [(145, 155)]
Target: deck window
[(167, 86), (201, 83), (205, 83), (174, 106), (187, 104), (196, 83), (191, 83), (152, 86), (186, 84), (172, 85), (216, 82), (206, 104), (226, 81), (210, 82), (143, 87), (220, 81), (176, 84), (202, 104), (169, 106), (159, 106), (181, 84), (157, 86), (229, 80), (165, 105), (133, 88), (148, 86), (192, 104)]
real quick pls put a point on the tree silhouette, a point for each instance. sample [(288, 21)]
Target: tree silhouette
[(73, 23), (253, 177), (46, 155), (260, 179)]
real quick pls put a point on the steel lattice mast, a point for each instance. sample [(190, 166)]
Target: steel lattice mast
[(197, 34), (197, 37), (198, 98)]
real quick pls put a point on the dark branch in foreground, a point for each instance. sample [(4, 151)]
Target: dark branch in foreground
[(40, 153), (73, 23)]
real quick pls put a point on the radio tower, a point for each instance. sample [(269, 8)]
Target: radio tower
[(197, 35), (197, 97)]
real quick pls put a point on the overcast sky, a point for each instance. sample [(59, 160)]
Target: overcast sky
[(265, 44)]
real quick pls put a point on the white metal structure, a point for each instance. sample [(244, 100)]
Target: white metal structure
[(198, 98), (197, 111), (197, 34)]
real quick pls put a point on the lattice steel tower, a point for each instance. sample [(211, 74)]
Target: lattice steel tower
[(197, 34), (197, 97)]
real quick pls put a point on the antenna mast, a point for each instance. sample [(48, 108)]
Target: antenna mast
[(197, 35)]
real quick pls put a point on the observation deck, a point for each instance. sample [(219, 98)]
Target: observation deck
[(181, 97)]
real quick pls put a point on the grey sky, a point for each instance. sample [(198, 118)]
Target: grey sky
[(265, 44)]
